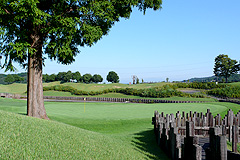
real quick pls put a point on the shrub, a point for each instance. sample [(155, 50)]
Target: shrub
[(227, 92), (158, 92)]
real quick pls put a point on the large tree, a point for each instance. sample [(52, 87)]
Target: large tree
[(30, 29), (9, 79), (225, 66), (77, 76), (97, 78), (112, 77), (87, 78)]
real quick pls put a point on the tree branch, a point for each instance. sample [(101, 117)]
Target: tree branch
[(7, 11)]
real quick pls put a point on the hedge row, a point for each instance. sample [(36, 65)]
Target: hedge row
[(163, 92), (199, 85), (227, 92)]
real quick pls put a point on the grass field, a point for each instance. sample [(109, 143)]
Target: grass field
[(116, 131), (235, 83), (119, 95), (17, 88)]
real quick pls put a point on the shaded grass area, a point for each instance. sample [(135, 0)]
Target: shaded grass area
[(229, 146)]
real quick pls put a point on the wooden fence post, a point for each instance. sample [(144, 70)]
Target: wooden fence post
[(235, 133), (218, 145)]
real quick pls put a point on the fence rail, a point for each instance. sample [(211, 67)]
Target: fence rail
[(100, 99)]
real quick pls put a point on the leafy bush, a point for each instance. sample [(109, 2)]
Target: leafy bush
[(158, 92), (199, 85), (227, 92)]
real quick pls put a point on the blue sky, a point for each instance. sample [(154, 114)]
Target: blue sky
[(178, 42)]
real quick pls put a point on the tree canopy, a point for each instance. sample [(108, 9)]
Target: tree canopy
[(97, 78), (87, 78), (30, 30), (225, 66), (9, 79), (77, 76), (59, 26), (112, 77)]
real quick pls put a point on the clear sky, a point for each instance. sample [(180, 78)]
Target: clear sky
[(178, 42)]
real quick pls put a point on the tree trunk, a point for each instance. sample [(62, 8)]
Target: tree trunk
[(35, 102)]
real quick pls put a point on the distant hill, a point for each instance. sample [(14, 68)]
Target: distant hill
[(233, 78), (3, 76)]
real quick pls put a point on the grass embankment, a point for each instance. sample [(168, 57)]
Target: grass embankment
[(18, 88), (30, 138), (15, 88), (234, 84), (103, 131)]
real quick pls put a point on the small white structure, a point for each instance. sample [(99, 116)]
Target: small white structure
[(73, 80)]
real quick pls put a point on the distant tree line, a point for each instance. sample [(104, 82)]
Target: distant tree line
[(63, 77), (232, 78), (78, 78), (13, 78)]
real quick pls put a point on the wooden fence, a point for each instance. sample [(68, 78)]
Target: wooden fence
[(100, 99), (125, 100), (197, 135)]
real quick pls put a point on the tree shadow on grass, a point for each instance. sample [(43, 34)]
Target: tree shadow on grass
[(146, 143), (23, 114)]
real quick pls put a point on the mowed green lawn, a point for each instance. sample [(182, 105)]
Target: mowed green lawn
[(116, 130)]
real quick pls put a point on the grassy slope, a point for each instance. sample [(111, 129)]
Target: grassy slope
[(235, 83), (30, 138), (126, 125), (136, 143), (97, 87), (21, 88), (15, 88)]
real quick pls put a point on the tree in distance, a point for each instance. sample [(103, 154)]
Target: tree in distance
[(112, 77), (60, 76), (17, 78), (67, 76), (49, 78), (52, 78), (87, 78), (77, 76), (167, 80), (30, 29), (9, 79), (225, 67), (137, 81), (97, 78)]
